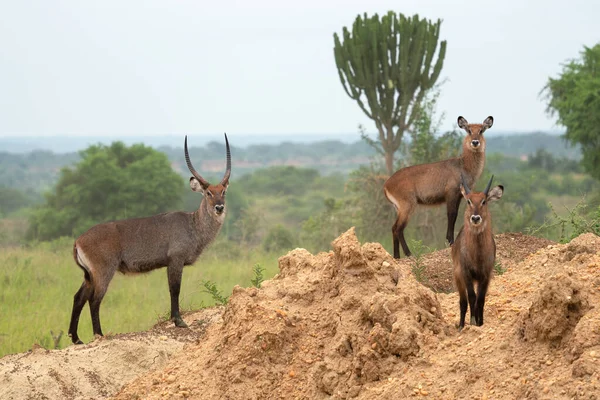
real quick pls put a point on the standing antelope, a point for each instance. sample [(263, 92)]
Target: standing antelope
[(474, 251), (137, 245), (436, 183)]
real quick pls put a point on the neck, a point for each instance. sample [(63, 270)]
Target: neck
[(478, 233), (206, 221), (473, 163)]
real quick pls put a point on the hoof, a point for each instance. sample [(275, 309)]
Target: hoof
[(180, 323), (474, 321), (78, 341)]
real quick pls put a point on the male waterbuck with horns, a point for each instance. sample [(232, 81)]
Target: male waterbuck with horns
[(138, 245), (436, 183), (474, 251)]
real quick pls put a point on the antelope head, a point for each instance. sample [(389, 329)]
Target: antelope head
[(477, 212), (214, 195), (474, 139)]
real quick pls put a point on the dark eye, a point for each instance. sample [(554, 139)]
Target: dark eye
[(209, 194), (469, 202), (483, 202)]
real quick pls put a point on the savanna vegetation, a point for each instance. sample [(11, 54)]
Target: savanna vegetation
[(285, 196), (270, 211)]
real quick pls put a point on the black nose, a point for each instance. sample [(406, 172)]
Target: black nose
[(475, 143), (475, 219), (219, 208)]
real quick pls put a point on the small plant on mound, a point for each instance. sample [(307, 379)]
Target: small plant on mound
[(258, 276), (50, 342), (498, 268), (417, 263), (164, 317), (211, 288)]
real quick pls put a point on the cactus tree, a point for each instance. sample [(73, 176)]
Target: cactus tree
[(387, 66)]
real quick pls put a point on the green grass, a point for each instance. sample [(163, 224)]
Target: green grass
[(37, 286)]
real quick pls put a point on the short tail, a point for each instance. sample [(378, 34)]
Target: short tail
[(81, 264)]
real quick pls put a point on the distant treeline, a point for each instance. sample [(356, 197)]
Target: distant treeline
[(38, 171)]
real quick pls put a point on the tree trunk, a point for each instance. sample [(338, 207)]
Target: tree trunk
[(389, 161)]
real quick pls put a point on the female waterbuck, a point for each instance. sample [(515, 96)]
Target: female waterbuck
[(436, 183), (137, 245), (474, 251)]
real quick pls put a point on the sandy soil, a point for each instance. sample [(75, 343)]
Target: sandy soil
[(355, 323), (100, 369)]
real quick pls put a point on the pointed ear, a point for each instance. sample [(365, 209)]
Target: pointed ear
[(462, 190), (496, 193), (196, 186), (489, 121), (462, 123)]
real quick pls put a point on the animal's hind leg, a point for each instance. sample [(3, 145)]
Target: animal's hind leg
[(398, 237), (84, 293), (403, 241), (396, 240), (404, 211), (99, 291)]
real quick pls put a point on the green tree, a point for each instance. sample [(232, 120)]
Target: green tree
[(278, 239), (387, 66), (109, 183), (574, 97)]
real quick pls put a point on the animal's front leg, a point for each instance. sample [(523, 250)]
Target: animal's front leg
[(463, 309), (472, 301), (452, 213), (175, 272), (480, 302)]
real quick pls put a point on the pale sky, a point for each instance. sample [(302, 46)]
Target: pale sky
[(150, 67)]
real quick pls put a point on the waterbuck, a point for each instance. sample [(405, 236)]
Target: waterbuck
[(138, 245), (474, 251), (436, 183)]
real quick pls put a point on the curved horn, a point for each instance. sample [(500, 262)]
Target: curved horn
[(464, 184), (489, 185), (200, 179), (225, 180)]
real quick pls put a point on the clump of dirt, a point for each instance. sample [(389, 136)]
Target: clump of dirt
[(555, 311), (355, 323)]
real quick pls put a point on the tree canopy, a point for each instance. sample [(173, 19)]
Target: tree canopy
[(387, 65), (574, 98), (109, 183)]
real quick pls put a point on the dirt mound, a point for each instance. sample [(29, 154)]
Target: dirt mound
[(511, 249), (355, 323), (100, 369), (327, 324)]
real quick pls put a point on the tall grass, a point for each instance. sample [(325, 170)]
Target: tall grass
[(37, 286)]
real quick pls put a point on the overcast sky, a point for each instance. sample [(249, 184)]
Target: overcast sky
[(152, 67)]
